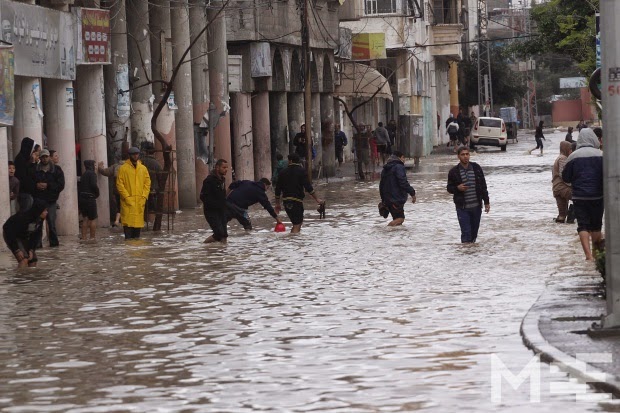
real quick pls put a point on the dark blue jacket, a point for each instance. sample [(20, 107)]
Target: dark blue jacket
[(54, 178), (394, 186), (247, 193), (584, 167)]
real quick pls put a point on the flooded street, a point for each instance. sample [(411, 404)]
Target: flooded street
[(349, 316)]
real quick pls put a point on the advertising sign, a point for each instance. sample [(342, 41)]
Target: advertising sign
[(42, 39), (93, 36), (598, 40), (368, 46), (572, 82), (7, 86)]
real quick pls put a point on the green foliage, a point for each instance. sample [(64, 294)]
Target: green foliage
[(565, 27), (507, 85), (600, 262)]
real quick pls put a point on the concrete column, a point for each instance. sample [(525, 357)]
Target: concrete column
[(453, 78), (161, 68), (28, 121), (610, 33), (243, 150), (316, 131), (60, 131), (184, 123), (5, 197), (200, 87), (139, 52), (278, 124), (295, 109), (327, 130), (116, 77), (92, 128), (260, 129), (218, 81)]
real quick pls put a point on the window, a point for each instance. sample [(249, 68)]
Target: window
[(490, 123), (372, 7)]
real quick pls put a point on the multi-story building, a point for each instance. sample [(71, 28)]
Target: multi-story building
[(94, 73), (422, 42)]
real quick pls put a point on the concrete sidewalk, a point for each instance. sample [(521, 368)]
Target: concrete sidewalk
[(556, 328)]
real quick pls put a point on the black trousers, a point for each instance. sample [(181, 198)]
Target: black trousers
[(131, 232)]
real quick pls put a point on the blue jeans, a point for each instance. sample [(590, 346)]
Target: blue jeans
[(469, 220)]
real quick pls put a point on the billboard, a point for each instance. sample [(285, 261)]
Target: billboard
[(368, 46), (42, 39), (572, 82), (7, 86), (260, 57), (93, 36)]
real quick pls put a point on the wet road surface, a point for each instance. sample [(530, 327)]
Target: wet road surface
[(349, 316)]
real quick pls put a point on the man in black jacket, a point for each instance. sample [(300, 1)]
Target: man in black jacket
[(88, 192), (213, 197), (467, 183), (23, 172), (49, 182), (292, 182), (245, 194), (22, 233), (394, 188)]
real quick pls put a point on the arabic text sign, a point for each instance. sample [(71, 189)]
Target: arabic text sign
[(93, 36), (368, 46)]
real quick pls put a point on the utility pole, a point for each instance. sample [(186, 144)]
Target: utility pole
[(305, 40), (610, 77), (485, 88)]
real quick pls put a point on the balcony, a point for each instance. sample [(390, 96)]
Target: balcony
[(445, 29), (446, 39)]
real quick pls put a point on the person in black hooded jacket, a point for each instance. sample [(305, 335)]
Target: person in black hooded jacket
[(24, 172), (22, 232), (88, 192), (394, 188), (49, 181), (213, 197)]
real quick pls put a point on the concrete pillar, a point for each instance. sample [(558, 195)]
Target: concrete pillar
[(60, 131), (5, 196), (327, 131), (260, 129), (295, 109), (243, 150), (92, 128), (218, 81), (28, 120), (184, 123), (116, 77), (139, 52), (200, 87), (453, 78), (278, 124), (161, 68), (316, 131)]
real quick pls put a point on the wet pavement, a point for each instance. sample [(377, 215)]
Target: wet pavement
[(349, 316)]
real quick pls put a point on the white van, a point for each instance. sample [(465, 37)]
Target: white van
[(489, 132)]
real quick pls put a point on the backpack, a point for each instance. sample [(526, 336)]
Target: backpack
[(452, 129)]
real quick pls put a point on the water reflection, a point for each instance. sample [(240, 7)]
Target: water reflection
[(348, 316)]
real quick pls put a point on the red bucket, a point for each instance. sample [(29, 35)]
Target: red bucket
[(280, 228)]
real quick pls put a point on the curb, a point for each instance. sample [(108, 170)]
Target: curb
[(534, 340)]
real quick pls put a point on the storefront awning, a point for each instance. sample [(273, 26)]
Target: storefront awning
[(361, 81)]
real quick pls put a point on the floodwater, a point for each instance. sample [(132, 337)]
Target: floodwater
[(349, 316)]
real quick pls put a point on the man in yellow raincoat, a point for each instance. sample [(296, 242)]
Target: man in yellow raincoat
[(133, 185)]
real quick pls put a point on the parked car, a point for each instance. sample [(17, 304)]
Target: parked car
[(489, 132)]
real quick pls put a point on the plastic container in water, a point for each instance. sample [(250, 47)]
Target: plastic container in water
[(280, 228)]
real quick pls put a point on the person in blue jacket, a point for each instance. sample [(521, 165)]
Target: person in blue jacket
[(394, 188), (584, 171), (245, 194)]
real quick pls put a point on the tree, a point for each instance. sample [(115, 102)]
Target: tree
[(507, 84), (565, 27)]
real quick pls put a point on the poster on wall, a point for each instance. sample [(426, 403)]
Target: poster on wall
[(93, 36), (69, 96), (7, 86), (260, 56), (123, 104), (42, 39), (368, 46)]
